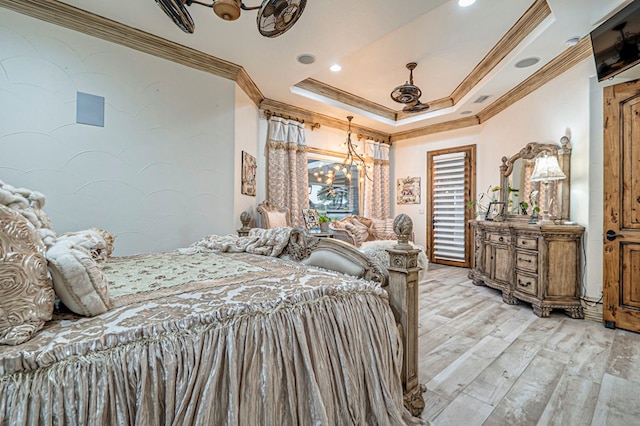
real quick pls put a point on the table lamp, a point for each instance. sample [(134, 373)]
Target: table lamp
[(546, 170)]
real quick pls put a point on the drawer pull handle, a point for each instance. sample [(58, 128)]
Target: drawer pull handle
[(523, 284), (524, 242), (524, 260), (501, 239)]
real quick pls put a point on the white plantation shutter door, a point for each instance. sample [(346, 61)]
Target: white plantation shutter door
[(449, 206)]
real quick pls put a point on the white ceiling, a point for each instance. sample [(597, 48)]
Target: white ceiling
[(373, 40)]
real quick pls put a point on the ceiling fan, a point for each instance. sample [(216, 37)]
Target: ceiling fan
[(275, 17), (409, 94)]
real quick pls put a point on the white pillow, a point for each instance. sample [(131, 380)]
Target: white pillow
[(78, 279), (93, 240)]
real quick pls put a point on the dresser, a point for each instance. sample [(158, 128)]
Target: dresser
[(535, 263)]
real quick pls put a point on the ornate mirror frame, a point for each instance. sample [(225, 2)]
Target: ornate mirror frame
[(529, 152)]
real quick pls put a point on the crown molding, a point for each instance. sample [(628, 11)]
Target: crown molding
[(322, 89), (528, 22)]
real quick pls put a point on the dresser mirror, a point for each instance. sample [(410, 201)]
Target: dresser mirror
[(520, 191)]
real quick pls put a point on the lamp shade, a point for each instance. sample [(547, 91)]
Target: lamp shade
[(546, 169)]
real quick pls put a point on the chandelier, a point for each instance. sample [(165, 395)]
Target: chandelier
[(352, 166), (275, 17)]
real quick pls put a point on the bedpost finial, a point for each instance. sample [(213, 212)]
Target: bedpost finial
[(403, 227)]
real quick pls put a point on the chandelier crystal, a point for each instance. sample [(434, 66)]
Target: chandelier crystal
[(353, 165)]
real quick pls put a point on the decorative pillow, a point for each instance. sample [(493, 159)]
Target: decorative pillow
[(383, 229), (78, 279), (337, 225), (362, 230), (26, 295), (277, 220), (92, 240), (108, 237), (26, 202), (364, 220), (354, 231)]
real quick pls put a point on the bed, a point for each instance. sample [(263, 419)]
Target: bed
[(205, 336)]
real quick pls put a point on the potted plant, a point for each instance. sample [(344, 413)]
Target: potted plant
[(324, 220), (481, 204)]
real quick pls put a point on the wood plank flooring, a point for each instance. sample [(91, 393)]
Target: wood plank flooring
[(488, 363)]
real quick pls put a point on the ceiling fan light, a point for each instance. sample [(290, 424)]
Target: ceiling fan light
[(229, 10)]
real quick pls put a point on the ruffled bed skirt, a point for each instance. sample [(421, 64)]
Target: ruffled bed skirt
[(328, 360)]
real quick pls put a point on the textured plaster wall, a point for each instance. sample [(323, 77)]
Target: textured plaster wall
[(159, 174), (246, 139)]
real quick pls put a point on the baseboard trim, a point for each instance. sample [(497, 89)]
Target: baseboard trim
[(592, 312)]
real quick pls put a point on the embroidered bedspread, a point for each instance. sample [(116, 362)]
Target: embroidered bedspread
[(213, 338)]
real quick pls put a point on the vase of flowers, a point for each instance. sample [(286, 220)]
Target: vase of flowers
[(481, 204)]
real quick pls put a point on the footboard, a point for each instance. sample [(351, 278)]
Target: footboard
[(400, 281)]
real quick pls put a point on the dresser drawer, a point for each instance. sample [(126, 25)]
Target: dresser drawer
[(530, 243), (527, 261), (526, 283), (499, 238)]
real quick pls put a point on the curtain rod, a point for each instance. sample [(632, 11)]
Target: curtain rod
[(269, 114)]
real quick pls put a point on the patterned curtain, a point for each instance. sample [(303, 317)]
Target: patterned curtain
[(377, 203), (287, 176)]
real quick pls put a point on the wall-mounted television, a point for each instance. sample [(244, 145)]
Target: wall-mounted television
[(616, 42)]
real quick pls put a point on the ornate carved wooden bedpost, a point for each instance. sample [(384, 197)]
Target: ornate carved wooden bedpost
[(403, 297), (245, 218)]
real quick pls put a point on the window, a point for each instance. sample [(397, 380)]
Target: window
[(344, 200)]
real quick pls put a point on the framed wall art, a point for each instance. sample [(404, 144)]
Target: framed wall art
[(311, 218), (249, 166), (408, 190)]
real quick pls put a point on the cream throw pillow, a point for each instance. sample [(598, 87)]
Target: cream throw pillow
[(78, 279), (97, 242)]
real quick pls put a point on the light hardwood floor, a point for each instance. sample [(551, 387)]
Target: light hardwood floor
[(488, 363)]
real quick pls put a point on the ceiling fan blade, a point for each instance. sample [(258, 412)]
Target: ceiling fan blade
[(275, 17), (178, 13)]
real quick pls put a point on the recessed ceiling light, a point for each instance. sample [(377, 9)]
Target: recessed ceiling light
[(335, 68), (465, 3), (527, 62), (572, 41), (306, 59)]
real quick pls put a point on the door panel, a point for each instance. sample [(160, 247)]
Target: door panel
[(630, 289), (503, 264), (621, 274)]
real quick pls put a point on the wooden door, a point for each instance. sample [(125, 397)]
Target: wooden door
[(621, 275), (449, 191)]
